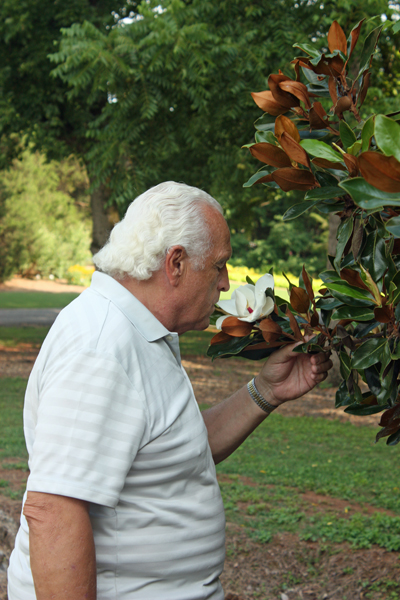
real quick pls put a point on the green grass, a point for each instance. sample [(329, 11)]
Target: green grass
[(12, 442), (195, 342), (36, 299), (290, 455), (283, 458), (12, 336)]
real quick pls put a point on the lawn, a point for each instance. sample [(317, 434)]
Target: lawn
[(59, 300), (265, 482), (36, 299)]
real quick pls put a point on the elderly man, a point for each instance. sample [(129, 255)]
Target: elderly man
[(122, 501)]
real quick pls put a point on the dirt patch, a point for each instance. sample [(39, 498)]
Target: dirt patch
[(20, 284), (286, 568), (291, 569)]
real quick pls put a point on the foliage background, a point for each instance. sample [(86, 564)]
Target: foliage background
[(44, 218)]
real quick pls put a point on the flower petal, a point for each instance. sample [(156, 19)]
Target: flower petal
[(219, 321), (229, 306)]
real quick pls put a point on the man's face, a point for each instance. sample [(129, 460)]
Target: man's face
[(201, 288)]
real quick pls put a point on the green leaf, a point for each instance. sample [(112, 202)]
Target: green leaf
[(355, 148), (364, 409), (354, 313), (254, 178), (265, 136), (369, 353), (342, 397), (324, 193), (231, 348), (325, 179), (265, 123), (393, 439), (328, 304), (309, 49), (387, 136), (345, 365), (369, 49), (298, 209), (367, 196), (321, 150), (249, 280), (367, 133), (347, 135), (393, 225), (396, 27), (344, 232), (373, 257)]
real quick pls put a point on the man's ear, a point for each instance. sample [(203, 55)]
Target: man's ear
[(175, 264)]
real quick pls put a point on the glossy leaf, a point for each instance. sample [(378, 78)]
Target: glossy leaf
[(298, 209), (294, 151), (282, 97), (383, 172), (393, 226), (342, 397), (354, 313), (270, 154), (364, 410), (369, 353), (354, 34), (367, 196), (236, 328), (265, 136), (309, 49), (373, 257), (367, 133), (349, 290), (345, 365), (256, 177), (324, 193), (299, 299), (387, 136), (347, 135), (337, 38), (321, 150), (284, 124), (344, 232), (293, 179), (369, 49), (267, 103)]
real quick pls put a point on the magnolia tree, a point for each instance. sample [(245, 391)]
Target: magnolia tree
[(313, 138)]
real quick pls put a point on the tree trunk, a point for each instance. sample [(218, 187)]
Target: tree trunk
[(334, 376), (101, 224)]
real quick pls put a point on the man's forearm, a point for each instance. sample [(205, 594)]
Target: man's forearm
[(62, 552), (231, 422)]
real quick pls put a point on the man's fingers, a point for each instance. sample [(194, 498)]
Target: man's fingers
[(321, 367)]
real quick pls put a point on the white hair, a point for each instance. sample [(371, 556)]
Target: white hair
[(169, 214)]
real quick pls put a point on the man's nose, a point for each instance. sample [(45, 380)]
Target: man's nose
[(224, 281)]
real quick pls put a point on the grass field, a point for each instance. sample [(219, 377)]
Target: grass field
[(59, 300), (36, 299), (264, 481)]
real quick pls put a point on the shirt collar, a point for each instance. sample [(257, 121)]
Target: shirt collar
[(142, 319)]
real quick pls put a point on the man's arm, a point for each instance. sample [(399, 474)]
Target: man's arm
[(285, 376), (62, 552)]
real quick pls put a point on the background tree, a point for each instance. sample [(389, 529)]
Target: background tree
[(34, 109), (162, 95)]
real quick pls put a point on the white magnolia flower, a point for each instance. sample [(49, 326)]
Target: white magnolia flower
[(248, 302)]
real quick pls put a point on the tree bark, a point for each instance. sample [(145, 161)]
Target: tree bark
[(101, 224)]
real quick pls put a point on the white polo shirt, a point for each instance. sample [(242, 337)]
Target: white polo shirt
[(110, 417)]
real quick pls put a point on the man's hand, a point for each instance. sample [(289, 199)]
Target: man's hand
[(288, 375)]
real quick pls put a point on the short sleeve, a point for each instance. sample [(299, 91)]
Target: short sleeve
[(91, 422)]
